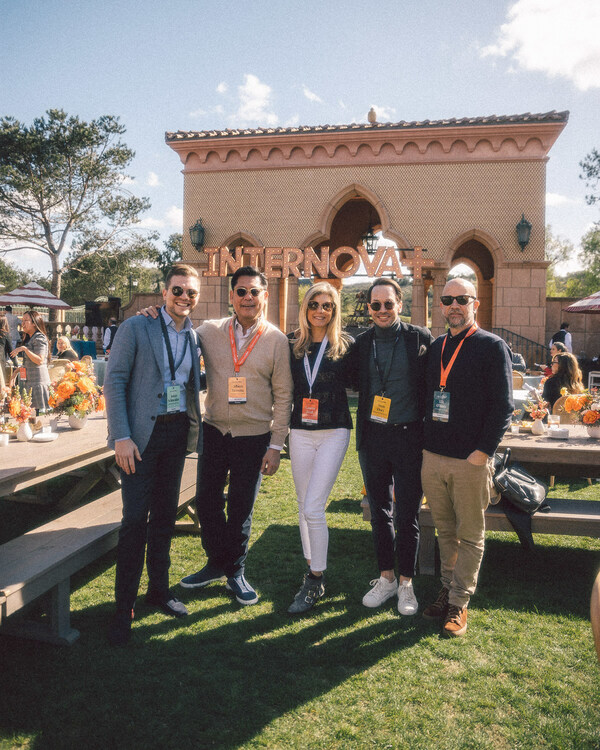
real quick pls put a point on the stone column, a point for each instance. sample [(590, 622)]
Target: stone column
[(419, 314), (438, 322)]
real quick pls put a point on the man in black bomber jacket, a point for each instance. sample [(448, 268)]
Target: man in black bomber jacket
[(387, 366)]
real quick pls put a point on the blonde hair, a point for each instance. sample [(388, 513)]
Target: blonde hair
[(65, 340), (338, 340)]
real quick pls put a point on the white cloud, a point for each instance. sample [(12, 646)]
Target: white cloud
[(255, 106), (153, 180), (149, 223), (174, 217), (310, 95), (555, 199), (553, 37), (222, 88), (198, 113), (292, 121), (126, 179)]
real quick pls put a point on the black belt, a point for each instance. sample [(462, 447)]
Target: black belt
[(171, 417)]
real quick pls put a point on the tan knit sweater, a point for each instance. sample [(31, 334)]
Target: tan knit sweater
[(269, 385)]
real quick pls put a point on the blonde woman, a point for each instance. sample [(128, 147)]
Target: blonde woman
[(65, 350), (320, 427)]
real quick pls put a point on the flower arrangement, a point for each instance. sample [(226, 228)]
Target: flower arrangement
[(538, 409), (585, 405), (76, 392), (19, 405)]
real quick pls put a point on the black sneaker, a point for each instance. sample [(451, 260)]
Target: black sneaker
[(168, 604), (310, 593), (208, 574), (243, 591)]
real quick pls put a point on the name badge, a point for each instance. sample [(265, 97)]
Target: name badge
[(441, 406), (381, 409), (173, 400), (23, 373), (310, 411), (237, 390)]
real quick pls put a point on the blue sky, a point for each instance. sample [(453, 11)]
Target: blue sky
[(195, 65)]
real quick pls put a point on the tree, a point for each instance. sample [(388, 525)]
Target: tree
[(591, 174), (62, 182), (164, 259), (557, 250), (12, 277)]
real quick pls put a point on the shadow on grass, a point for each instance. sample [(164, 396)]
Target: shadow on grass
[(221, 675)]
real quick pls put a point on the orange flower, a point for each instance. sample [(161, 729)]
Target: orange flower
[(101, 405), (85, 385), (84, 406), (575, 402), (64, 390), (590, 417), (79, 366)]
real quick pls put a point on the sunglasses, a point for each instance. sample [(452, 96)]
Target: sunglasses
[(388, 304), (178, 291), (462, 299), (327, 306), (241, 291)]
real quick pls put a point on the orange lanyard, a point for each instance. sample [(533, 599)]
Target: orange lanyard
[(445, 371), (237, 363)]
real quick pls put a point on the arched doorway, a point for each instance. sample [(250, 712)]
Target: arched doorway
[(476, 256)]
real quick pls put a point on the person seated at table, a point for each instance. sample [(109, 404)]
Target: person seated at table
[(518, 362), (65, 350), (565, 374), (88, 361), (555, 349)]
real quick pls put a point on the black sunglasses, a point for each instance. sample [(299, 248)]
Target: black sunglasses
[(462, 299), (178, 291), (327, 306), (241, 291), (388, 304)]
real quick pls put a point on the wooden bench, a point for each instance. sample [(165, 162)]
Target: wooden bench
[(43, 560), (566, 517)]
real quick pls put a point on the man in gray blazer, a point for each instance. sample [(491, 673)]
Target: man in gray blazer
[(152, 387)]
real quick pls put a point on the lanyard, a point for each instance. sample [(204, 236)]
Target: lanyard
[(172, 366), (444, 372), (312, 376), (383, 378), (237, 363)]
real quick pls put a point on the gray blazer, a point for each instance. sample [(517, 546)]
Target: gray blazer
[(133, 384)]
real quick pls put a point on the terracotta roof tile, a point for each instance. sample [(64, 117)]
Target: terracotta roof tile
[(553, 116)]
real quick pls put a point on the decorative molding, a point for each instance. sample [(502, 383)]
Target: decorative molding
[(259, 150)]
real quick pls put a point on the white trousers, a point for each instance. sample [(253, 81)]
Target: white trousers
[(316, 457)]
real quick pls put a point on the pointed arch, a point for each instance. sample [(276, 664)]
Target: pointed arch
[(242, 238), (486, 239), (354, 190)]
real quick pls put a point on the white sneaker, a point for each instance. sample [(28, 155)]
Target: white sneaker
[(382, 591), (407, 601)]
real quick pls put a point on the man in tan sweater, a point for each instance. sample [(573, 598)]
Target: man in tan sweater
[(246, 420)]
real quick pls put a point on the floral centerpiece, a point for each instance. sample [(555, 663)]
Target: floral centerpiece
[(585, 405), (19, 405), (76, 392), (538, 409)]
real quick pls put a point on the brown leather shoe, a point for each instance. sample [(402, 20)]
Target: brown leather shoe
[(456, 621), (439, 608)]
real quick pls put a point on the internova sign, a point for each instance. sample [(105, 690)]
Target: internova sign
[(281, 262)]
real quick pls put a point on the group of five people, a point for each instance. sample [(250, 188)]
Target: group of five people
[(430, 416)]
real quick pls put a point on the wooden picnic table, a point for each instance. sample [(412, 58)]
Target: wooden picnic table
[(577, 456), (32, 464)]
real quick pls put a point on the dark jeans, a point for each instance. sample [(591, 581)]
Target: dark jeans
[(225, 539), (150, 498), (394, 453)]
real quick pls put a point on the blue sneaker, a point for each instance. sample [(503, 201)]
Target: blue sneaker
[(243, 591), (208, 574)]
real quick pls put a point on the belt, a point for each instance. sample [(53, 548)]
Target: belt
[(171, 417)]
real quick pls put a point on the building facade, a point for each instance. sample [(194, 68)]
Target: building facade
[(456, 188)]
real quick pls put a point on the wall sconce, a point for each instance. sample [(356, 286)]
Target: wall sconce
[(523, 232), (197, 235), (369, 239)]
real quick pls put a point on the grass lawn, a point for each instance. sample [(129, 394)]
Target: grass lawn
[(525, 676)]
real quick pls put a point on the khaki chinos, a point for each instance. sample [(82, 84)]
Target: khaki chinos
[(458, 494)]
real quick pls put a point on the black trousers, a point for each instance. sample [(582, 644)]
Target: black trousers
[(225, 538), (394, 453), (150, 498)]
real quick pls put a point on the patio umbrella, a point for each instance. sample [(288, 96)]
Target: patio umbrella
[(589, 304), (33, 295)]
